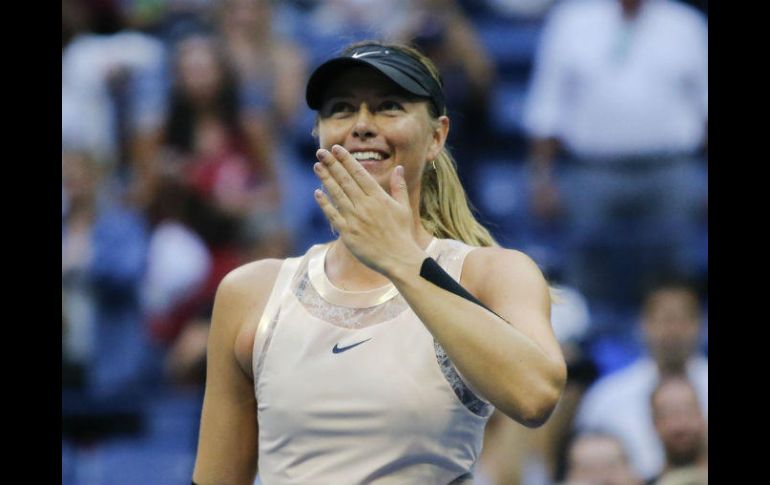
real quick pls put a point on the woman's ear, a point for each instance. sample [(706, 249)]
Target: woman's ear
[(440, 132)]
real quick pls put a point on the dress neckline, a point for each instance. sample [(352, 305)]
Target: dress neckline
[(346, 298)]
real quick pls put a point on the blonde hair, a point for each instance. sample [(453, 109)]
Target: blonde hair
[(444, 208)]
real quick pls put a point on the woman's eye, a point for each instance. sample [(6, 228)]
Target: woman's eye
[(390, 106), (340, 107)]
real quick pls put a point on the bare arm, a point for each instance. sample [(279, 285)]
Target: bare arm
[(227, 444), (518, 366)]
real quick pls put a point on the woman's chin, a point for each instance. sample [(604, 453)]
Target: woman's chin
[(374, 166)]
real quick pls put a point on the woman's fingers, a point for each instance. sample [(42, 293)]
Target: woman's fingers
[(331, 212), (338, 195), (398, 187), (340, 174), (356, 171)]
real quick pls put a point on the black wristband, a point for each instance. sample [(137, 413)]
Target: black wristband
[(431, 271)]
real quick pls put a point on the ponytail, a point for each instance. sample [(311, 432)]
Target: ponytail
[(444, 207)]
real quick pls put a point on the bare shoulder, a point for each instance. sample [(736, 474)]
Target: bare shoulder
[(240, 301), (243, 291), (487, 268), (250, 278)]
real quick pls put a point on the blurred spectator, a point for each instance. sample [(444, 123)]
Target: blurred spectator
[(619, 97), (113, 92), (682, 429), (619, 402), (179, 266), (444, 33), (78, 305), (215, 197), (596, 458), (271, 69), (104, 248), (216, 150)]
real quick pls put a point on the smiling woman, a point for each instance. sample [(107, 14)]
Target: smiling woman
[(382, 354)]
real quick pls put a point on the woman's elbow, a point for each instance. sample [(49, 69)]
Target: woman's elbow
[(537, 413), (536, 407)]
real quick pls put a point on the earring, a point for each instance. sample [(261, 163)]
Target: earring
[(434, 164)]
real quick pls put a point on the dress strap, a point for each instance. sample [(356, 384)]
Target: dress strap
[(282, 282), (450, 255)]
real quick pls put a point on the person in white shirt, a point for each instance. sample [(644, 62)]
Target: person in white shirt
[(617, 115), (619, 403)]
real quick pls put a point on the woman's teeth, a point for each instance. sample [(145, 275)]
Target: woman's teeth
[(367, 156)]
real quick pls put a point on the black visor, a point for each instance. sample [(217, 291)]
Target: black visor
[(407, 72)]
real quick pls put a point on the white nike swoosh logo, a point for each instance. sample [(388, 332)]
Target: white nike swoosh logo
[(362, 54)]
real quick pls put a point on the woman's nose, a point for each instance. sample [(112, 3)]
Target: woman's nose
[(364, 126)]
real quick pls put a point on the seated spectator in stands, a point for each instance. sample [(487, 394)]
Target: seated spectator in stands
[(595, 458), (617, 115), (104, 249), (682, 429), (211, 144), (271, 69), (671, 321), (214, 179), (179, 262), (113, 94)]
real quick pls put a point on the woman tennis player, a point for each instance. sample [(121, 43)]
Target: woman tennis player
[(377, 357)]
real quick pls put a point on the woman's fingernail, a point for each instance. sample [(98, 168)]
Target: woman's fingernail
[(336, 149), (321, 153), (317, 167)]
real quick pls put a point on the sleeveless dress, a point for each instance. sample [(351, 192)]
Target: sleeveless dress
[(352, 388)]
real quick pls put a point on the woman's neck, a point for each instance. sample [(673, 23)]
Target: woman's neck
[(345, 271)]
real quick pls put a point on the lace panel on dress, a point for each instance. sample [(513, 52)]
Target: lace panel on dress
[(470, 400), (450, 253), (342, 316)]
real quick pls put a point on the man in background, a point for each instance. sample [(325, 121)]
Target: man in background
[(617, 115), (619, 403), (682, 429)]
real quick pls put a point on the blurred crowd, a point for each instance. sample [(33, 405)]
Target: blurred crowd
[(580, 132)]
